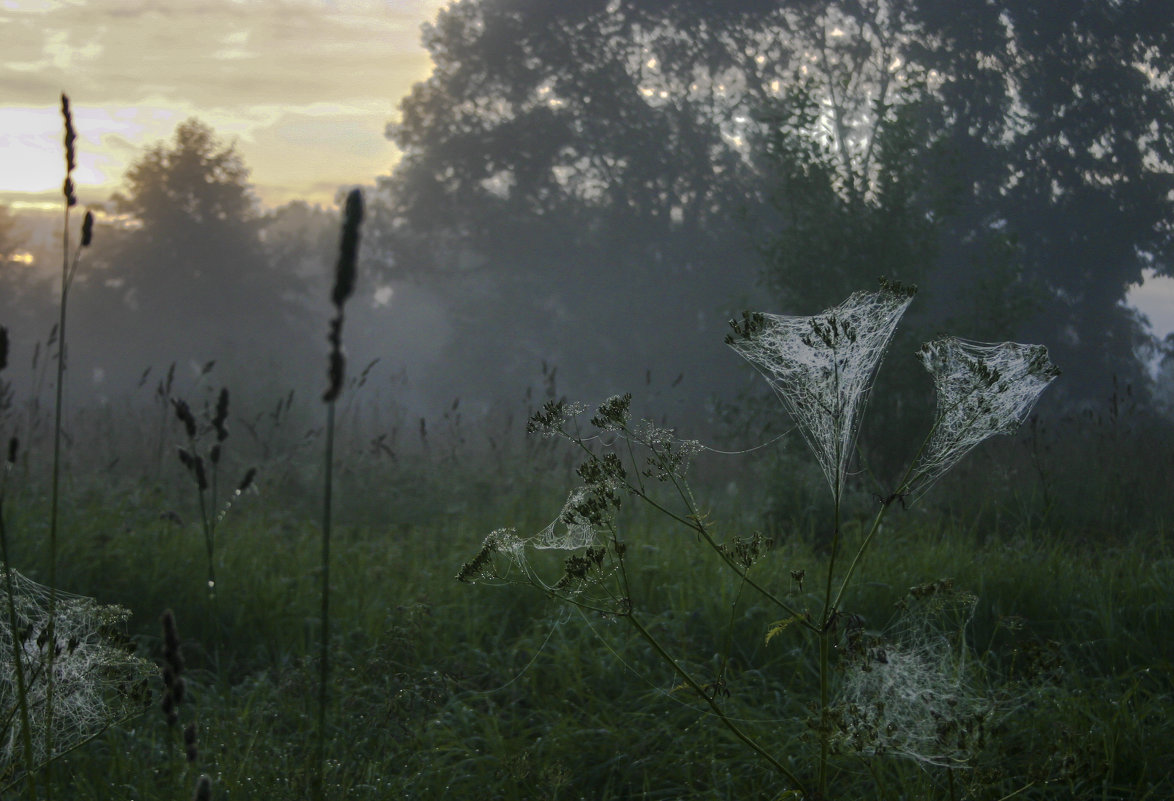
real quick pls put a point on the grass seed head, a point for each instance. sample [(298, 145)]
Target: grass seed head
[(87, 229), (3, 347), (348, 250), (344, 285), (203, 789), (247, 481), (183, 413), (221, 416), (190, 745), (70, 135)]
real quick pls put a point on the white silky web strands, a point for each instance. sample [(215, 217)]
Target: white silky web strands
[(983, 389), (97, 681), (912, 694), (821, 367), (576, 531)]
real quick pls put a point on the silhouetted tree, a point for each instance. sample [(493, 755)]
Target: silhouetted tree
[(184, 273), (1013, 157), (25, 295)]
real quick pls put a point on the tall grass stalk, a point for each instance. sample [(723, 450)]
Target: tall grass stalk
[(68, 270), (344, 286)]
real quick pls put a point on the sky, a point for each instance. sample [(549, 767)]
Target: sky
[(304, 88)]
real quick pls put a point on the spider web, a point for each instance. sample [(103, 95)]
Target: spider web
[(912, 693), (983, 389), (97, 681), (821, 367)]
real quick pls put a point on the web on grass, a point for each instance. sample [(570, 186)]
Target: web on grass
[(912, 693), (98, 682), (822, 367), (982, 389)]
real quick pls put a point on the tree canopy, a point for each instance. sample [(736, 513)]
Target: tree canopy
[(1014, 158), (184, 260)]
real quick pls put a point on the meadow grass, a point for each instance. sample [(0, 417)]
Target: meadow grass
[(439, 692), (1055, 615)]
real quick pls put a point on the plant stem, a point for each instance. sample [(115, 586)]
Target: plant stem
[(707, 697), (825, 634), (54, 503), (324, 653)]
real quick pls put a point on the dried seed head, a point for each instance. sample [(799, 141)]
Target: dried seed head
[(171, 642), (87, 229), (190, 747), (344, 285), (184, 414), (68, 191), (335, 373), (70, 138), (201, 476), (247, 481), (348, 249), (13, 445), (218, 420), (203, 789), (3, 347)]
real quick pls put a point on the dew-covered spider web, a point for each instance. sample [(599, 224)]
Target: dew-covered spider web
[(571, 529), (98, 682), (982, 389), (822, 367), (911, 693)]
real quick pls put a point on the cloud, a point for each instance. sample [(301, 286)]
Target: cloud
[(216, 53), (303, 86)]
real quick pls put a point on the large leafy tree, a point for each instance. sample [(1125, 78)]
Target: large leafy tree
[(1014, 158), (570, 179), (184, 272)]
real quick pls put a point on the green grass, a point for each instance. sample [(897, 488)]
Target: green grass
[(443, 690)]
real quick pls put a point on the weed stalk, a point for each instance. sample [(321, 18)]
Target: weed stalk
[(344, 286), (68, 270)]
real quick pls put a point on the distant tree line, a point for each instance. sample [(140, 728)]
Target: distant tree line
[(622, 166), (596, 185)]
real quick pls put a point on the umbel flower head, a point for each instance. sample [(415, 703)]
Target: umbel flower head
[(822, 367)]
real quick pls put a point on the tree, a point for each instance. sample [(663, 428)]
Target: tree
[(575, 202), (184, 272), (1012, 157)]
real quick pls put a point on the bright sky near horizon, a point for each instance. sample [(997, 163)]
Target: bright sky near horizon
[(303, 87)]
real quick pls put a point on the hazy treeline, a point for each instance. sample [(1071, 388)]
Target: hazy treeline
[(595, 186)]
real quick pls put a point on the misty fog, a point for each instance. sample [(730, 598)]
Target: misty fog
[(588, 193)]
